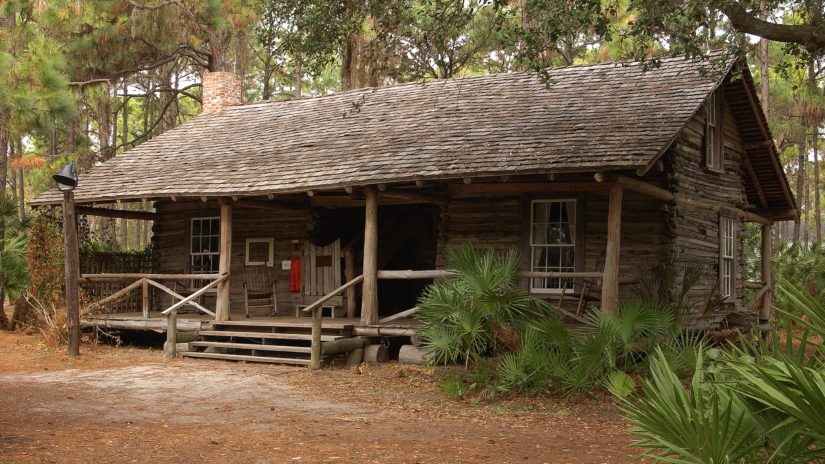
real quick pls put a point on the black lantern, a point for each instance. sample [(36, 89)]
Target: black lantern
[(67, 178)]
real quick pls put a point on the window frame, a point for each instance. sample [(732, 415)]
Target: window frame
[(714, 145), (576, 245), (727, 256), (270, 262), (216, 253)]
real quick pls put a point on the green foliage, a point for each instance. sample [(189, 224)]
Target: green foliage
[(763, 404), (45, 262), (461, 315)]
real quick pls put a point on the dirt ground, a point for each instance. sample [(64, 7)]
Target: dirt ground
[(128, 405)]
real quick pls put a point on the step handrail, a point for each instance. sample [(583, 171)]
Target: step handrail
[(170, 347), (317, 315)]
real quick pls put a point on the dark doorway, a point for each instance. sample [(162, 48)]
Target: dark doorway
[(407, 240)]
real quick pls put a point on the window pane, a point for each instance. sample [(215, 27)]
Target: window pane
[(539, 212), (567, 258), (258, 252), (539, 234), (554, 257), (539, 258), (554, 234), (566, 236)]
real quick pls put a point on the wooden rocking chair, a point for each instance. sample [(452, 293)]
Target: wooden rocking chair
[(259, 289)]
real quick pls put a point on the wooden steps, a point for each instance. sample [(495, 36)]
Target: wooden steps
[(247, 358), (285, 341)]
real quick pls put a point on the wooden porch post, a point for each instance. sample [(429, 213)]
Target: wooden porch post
[(349, 274), (610, 279), (224, 262), (369, 291), (767, 274)]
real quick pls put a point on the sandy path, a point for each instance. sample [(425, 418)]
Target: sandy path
[(58, 410)]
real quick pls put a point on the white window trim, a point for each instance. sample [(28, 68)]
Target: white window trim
[(192, 235), (727, 280), (270, 259), (714, 116), (574, 245)]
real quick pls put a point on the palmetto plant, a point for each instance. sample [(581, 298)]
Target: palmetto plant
[(760, 404), (461, 314)]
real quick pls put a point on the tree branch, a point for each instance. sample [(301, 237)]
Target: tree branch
[(811, 36)]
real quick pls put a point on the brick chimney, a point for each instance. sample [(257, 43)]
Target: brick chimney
[(221, 89)]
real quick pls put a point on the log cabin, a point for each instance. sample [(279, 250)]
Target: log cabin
[(603, 176)]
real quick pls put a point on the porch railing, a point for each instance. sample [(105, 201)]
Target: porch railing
[(144, 281)]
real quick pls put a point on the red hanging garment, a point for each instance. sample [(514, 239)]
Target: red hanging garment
[(295, 275)]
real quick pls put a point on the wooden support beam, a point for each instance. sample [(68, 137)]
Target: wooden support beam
[(763, 201), (369, 291), (514, 188), (316, 348), (349, 274), (115, 213), (767, 274), (610, 281), (342, 345), (171, 345), (250, 203), (417, 197), (224, 263), (659, 193), (758, 145), (144, 298)]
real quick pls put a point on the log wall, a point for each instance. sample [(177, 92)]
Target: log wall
[(172, 243), (694, 231), (503, 222)]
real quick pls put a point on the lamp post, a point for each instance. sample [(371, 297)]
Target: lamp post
[(66, 182)]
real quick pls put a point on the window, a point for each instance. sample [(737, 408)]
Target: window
[(726, 252), (714, 141), (552, 243), (260, 252), (205, 245)]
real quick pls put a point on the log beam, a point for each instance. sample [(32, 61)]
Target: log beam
[(610, 280), (224, 263), (251, 203), (369, 291), (116, 213)]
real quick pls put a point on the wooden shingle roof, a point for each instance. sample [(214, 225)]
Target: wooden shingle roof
[(596, 117)]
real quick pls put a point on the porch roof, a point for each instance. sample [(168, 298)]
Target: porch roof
[(611, 116)]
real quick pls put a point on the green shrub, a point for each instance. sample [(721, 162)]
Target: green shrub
[(756, 404), (465, 316)]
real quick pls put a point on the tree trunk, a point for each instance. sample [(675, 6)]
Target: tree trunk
[(21, 186), (800, 182), (815, 145), (764, 64), (299, 79), (104, 127), (4, 147)]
